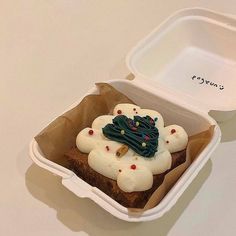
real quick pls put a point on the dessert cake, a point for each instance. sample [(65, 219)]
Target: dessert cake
[(127, 154)]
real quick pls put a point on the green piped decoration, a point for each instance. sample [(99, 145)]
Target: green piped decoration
[(140, 133)]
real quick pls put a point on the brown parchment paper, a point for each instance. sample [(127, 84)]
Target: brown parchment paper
[(60, 135)]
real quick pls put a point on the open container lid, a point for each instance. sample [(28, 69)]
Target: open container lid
[(192, 56)]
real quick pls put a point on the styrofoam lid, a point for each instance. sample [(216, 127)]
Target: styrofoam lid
[(192, 55)]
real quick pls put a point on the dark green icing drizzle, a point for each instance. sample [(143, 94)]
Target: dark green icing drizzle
[(140, 133)]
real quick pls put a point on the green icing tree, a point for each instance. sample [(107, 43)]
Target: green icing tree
[(140, 133)]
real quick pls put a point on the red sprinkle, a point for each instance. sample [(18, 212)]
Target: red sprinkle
[(134, 128), (107, 147), (173, 131), (119, 112), (90, 132), (133, 167), (167, 141), (146, 138)]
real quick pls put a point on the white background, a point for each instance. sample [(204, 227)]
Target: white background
[(51, 53)]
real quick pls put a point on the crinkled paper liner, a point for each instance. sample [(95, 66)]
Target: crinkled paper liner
[(60, 135)]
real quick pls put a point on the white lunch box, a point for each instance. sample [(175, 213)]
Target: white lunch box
[(183, 69)]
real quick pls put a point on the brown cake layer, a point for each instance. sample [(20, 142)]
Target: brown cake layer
[(79, 164)]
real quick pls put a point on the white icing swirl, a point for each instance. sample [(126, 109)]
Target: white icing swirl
[(129, 180), (132, 171), (175, 138)]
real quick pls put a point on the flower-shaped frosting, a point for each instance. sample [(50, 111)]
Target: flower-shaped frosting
[(132, 170)]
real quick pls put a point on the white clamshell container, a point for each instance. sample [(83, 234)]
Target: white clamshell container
[(183, 69)]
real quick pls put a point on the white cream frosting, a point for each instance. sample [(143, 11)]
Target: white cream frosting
[(132, 171)]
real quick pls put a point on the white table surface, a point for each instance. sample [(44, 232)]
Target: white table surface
[(51, 53)]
